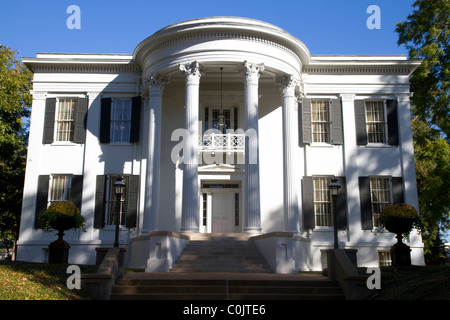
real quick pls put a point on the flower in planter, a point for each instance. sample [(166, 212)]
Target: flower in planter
[(398, 218), (61, 209)]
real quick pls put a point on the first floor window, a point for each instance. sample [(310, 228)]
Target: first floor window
[(380, 191), (112, 214), (322, 201), (121, 120), (60, 188)]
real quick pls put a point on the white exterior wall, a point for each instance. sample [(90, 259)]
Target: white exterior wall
[(120, 76)]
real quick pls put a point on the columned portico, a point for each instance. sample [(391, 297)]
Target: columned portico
[(190, 196), (287, 86), (251, 73), (151, 208)]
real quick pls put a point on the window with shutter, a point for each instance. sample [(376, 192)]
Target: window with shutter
[(106, 202), (120, 120)]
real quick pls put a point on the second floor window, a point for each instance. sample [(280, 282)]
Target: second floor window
[(376, 122), (320, 121), (121, 120), (65, 119)]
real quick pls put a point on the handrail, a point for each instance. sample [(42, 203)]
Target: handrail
[(99, 285), (343, 270)]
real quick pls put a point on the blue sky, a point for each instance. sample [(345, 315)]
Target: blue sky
[(118, 26)]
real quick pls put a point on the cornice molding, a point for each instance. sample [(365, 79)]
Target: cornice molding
[(85, 69), (352, 70)]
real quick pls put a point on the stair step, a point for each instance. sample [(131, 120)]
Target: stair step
[(221, 289)]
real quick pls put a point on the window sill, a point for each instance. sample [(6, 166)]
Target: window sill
[(321, 145), (113, 228), (377, 145), (64, 144), (324, 228), (120, 144)]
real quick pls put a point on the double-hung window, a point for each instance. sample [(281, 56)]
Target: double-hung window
[(60, 188), (320, 121), (376, 122), (121, 120), (323, 209), (65, 119), (380, 191), (111, 214)]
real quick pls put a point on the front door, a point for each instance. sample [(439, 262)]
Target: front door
[(223, 212)]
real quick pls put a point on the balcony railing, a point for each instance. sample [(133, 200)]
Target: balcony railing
[(228, 142)]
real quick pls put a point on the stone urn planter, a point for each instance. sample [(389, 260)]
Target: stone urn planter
[(399, 219), (61, 216)]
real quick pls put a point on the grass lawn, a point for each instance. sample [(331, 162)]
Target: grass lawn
[(414, 283), (38, 281)]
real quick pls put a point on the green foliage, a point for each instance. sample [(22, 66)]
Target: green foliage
[(399, 210), (426, 35), (61, 208), (15, 103)]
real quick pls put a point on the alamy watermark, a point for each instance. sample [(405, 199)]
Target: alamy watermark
[(374, 20), (74, 20), (74, 280), (374, 280)]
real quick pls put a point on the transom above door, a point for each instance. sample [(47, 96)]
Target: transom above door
[(220, 209)]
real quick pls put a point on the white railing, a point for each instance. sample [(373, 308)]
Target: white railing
[(222, 142)]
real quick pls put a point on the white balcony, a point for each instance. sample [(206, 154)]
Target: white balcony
[(228, 142)]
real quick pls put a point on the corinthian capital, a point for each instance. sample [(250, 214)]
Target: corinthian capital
[(251, 72), (156, 82), (287, 84), (192, 72)]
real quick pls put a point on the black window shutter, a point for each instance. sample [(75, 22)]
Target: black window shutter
[(305, 122), (135, 119), (80, 121), (392, 122), (336, 124), (341, 205), (133, 195), (360, 122), (105, 120), (397, 190), (366, 203), (41, 198), (49, 120), (76, 191), (100, 201), (308, 203)]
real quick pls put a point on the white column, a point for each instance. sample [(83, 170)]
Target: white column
[(287, 86), (151, 208), (251, 74), (350, 152), (190, 197)]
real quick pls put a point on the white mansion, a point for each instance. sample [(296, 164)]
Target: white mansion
[(220, 125)]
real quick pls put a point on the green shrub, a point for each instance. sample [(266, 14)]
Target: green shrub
[(61, 208)]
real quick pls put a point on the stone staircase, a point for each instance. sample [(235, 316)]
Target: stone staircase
[(221, 253), (225, 287), (223, 267)]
